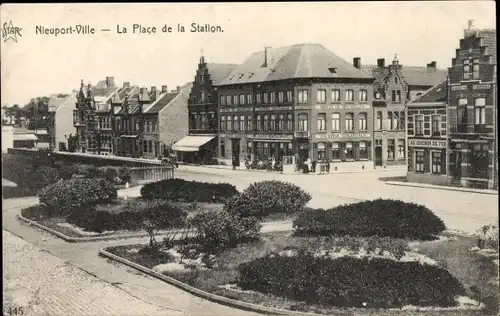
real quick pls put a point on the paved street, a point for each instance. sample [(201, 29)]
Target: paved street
[(118, 288)]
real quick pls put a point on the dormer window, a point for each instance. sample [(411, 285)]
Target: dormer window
[(332, 70)]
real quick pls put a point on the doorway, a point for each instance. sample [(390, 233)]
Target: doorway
[(378, 156), (235, 147), (456, 165)]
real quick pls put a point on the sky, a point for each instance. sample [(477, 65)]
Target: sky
[(40, 65)]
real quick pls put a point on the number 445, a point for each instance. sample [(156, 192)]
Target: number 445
[(8, 311)]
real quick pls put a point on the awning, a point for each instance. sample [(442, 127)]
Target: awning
[(191, 143), (8, 184), (25, 137)]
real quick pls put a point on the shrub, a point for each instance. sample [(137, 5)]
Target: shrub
[(124, 174), (66, 195), (87, 218), (268, 197), (350, 281), (384, 218), (221, 230), (188, 191), (109, 173), (36, 212)]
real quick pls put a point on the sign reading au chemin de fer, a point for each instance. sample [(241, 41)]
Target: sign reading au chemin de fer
[(427, 143)]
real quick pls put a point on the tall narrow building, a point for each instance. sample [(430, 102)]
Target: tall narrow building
[(472, 104)]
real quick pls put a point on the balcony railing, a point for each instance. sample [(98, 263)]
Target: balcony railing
[(302, 134), (470, 129)]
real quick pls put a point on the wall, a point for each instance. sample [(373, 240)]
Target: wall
[(63, 120), (173, 119), (7, 138), (427, 178)]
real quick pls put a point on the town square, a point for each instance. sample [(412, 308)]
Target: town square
[(319, 171)]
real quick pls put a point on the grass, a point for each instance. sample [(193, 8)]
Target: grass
[(468, 267), (454, 255)]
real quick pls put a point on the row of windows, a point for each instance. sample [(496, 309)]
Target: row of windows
[(287, 97), (394, 121), (104, 122), (279, 123), (202, 121), (436, 162), (337, 151), (479, 111), (427, 125), (321, 122), (260, 98), (394, 152), (150, 126)]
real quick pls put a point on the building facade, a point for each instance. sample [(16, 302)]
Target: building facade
[(473, 144), (395, 85), (298, 101), (428, 137), (200, 146)]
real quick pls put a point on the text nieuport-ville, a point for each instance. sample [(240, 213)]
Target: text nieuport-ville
[(80, 29)]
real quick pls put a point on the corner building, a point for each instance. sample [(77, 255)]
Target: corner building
[(297, 102)]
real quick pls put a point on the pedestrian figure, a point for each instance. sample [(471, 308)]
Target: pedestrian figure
[(273, 163)]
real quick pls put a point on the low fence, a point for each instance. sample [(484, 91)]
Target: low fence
[(90, 159), (151, 173)]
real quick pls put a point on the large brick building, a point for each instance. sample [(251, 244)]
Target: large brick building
[(395, 85), (472, 106), (298, 101)]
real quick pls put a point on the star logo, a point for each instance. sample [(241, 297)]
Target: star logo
[(9, 31)]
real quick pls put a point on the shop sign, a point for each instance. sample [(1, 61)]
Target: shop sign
[(481, 87), (270, 136), (303, 107), (431, 143), (226, 110), (273, 108), (342, 135), (459, 88), (342, 106)]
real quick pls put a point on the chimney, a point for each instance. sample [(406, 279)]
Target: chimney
[(153, 90), (126, 84), (266, 56), (110, 82), (164, 89), (22, 122), (178, 88), (432, 65), (381, 62), (356, 61)]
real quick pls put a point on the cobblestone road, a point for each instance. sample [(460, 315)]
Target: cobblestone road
[(42, 284)]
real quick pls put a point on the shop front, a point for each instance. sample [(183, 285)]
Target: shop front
[(195, 149), (347, 152), (427, 161)]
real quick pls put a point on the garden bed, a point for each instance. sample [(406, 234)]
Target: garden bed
[(60, 223), (221, 276)]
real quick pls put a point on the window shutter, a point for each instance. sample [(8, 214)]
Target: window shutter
[(443, 161), (342, 151), (489, 115), (355, 150), (369, 150)]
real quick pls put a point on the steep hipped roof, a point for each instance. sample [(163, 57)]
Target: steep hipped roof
[(438, 93), (296, 61), (166, 98), (416, 76), (218, 72)]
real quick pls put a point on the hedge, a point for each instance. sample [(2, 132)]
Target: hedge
[(66, 195), (161, 213), (350, 281), (189, 191), (384, 218), (268, 197)]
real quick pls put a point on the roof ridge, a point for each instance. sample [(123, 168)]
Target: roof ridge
[(428, 91)]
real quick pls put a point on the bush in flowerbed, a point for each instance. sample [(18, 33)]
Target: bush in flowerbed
[(143, 214), (189, 191), (218, 231), (350, 281), (268, 197), (384, 218), (36, 212), (66, 195)]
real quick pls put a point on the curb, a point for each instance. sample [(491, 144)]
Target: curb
[(439, 187), (264, 309), (88, 239)]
